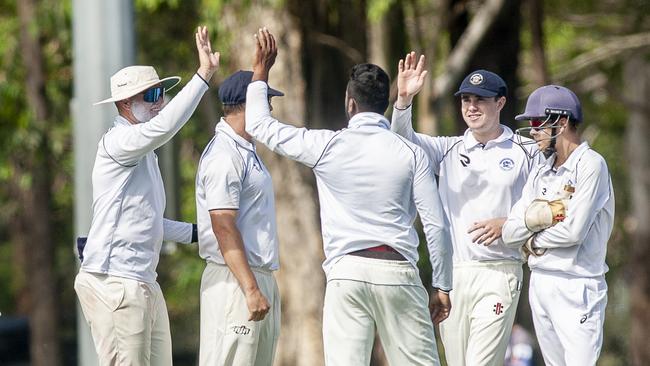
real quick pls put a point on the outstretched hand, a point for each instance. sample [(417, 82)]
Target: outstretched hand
[(208, 61), (265, 52), (410, 79)]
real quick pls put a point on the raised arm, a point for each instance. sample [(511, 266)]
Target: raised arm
[(300, 144), (127, 145), (410, 80)]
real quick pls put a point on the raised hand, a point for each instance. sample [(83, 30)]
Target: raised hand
[(208, 61), (410, 79), (265, 52)]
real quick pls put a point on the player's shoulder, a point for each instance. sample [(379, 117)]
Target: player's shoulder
[(591, 160)]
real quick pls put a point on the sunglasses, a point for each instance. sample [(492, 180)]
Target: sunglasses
[(154, 94), (536, 124)]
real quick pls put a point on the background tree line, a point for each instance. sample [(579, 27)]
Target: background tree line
[(599, 49)]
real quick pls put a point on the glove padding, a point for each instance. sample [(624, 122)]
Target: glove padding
[(542, 214), (530, 249)]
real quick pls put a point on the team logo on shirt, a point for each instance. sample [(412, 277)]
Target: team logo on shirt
[(506, 164), (476, 79), (464, 160), (498, 308)]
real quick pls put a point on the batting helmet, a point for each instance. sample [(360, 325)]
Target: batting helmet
[(552, 100)]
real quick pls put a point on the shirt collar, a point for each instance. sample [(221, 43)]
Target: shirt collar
[(225, 128), (121, 121), (368, 119), (471, 142), (571, 161)]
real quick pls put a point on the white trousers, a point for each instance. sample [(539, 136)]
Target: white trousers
[(227, 336), (483, 306), (128, 320), (365, 295), (568, 313)]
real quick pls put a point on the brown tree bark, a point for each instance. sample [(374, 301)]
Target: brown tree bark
[(536, 19), (636, 78), (33, 232), (300, 279)]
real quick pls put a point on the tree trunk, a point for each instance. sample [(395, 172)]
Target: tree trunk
[(35, 232), (300, 279), (497, 49), (538, 54), (637, 81)]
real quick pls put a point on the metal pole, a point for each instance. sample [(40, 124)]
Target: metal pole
[(103, 43)]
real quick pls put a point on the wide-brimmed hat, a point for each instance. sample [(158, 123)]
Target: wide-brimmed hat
[(132, 80)]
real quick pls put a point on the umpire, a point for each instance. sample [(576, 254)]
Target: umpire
[(116, 284)]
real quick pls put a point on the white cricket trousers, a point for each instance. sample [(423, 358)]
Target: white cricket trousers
[(568, 313), (364, 295), (128, 320), (228, 338), (483, 306)]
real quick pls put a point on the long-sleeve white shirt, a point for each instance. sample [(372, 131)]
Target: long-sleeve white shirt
[(128, 228), (577, 245), (371, 183), (477, 182)]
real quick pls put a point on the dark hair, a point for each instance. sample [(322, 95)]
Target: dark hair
[(369, 86), (229, 109)]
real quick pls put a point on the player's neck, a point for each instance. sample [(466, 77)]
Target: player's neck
[(237, 122), (483, 136), (564, 146)]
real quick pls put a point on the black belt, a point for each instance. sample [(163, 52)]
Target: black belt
[(380, 252)]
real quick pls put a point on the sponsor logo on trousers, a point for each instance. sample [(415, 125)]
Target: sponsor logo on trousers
[(241, 330)]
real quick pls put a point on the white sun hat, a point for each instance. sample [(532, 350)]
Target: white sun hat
[(132, 80)]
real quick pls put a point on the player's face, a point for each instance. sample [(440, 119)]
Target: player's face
[(481, 113), (148, 104), (540, 133)]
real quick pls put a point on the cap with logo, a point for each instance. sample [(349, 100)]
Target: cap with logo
[(232, 91), (484, 84), (132, 80)]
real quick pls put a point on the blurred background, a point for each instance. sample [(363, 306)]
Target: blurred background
[(599, 49)]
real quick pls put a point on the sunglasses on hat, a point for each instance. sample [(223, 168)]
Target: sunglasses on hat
[(152, 95)]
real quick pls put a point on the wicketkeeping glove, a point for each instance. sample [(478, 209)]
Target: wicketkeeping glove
[(529, 248), (542, 214)]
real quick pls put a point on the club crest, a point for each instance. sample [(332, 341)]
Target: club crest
[(476, 79), (506, 164)]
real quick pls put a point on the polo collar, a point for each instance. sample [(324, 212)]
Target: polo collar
[(368, 119), (225, 128), (571, 162), (471, 142)]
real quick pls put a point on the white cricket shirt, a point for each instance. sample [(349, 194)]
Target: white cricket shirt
[(128, 228), (371, 184), (232, 176), (578, 245), (476, 182)]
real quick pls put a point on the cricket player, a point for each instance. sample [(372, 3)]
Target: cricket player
[(116, 285), (240, 301), (370, 184), (481, 175), (564, 219)]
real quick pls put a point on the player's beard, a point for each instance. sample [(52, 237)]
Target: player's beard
[(142, 111)]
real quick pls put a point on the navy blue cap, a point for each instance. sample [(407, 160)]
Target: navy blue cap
[(484, 84), (233, 90)]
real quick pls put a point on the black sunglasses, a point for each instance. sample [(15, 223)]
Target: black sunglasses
[(154, 94)]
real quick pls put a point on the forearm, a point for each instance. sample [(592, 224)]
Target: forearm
[(401, 122), (232, 250), (178, 231)]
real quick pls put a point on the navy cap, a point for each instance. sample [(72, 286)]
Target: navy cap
[(233, 90), (484, 84)]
